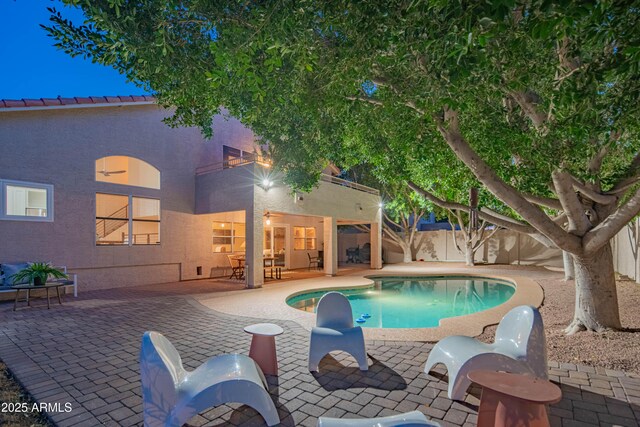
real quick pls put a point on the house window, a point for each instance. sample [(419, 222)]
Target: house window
[(126, 170), (304, 238), (26, 201), (228, 237), (127, 220)]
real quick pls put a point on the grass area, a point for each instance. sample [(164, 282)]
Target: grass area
[(12, 396)]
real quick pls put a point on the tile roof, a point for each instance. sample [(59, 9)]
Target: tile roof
[(60, 101)]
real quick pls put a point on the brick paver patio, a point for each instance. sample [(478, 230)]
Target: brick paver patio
[(86, 353)]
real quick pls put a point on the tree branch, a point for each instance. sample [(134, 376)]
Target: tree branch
[(368, 100), (486, 239), (578, 221), (547, 202), (453, 230), (527, 102), (632, 176), (603, 232), (623, 186), (509, 195), (595, 164), (483, 213), (603, 199)]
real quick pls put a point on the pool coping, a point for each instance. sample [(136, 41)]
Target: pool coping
[(270, 303)]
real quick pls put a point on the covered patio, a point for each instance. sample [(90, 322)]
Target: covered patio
[(267, 225)]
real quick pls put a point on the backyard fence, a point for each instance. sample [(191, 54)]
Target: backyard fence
[(507, 247)]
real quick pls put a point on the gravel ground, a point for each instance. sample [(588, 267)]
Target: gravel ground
[(11, 393), (619, 350)]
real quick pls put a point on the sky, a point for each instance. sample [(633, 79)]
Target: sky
[(31, 67)]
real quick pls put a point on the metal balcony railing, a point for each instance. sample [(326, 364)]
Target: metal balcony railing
[(263, 161)]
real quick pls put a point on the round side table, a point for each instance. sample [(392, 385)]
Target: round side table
[(514, 400), (263, 346)]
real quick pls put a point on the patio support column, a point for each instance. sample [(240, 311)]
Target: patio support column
[(330, 231), (254, 243), (376, 245)]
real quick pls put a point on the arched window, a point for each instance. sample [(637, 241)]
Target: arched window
[(127, 171)]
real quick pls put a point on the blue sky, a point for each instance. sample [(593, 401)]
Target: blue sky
[(33, 68)]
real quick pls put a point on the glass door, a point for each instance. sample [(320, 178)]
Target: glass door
[(279, 248), (275, 244)]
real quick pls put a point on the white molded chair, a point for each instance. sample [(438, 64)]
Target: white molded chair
[(409, 419), (334, 330), (171, 395), (520, 347)]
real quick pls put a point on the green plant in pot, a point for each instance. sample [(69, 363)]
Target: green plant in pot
[(38, 273)]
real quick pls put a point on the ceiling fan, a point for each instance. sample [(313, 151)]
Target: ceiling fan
[(105, 172)]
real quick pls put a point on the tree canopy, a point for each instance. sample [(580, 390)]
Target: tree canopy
[(537, 99)]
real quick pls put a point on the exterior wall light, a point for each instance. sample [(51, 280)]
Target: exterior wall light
[(266, 183), (381, 205), (268, 218)]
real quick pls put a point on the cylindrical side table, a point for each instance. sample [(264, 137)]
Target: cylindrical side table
[(263, 346), (514, 400)]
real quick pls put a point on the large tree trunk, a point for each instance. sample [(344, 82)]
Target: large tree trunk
[(569, 271), (596, 307), (469, 253)]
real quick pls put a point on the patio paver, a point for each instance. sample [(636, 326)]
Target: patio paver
[(86, 353)]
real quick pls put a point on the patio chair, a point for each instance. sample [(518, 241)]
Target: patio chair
[(334, 330), (171, 395), (237, 269), (409, 419), (519, 347), (313, 261)]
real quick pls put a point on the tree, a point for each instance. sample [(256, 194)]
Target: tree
[(537, 100)]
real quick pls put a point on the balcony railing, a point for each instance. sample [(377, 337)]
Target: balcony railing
[(343, 182), (263, 161), (232, 163)]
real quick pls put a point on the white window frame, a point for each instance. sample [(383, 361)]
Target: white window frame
[(131, 220), (305, 237), (233, 237), (3, 200)]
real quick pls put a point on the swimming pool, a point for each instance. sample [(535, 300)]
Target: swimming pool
[(415, 302)]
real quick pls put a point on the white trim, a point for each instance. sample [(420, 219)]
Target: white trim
[(25, 184), (63, 107), (130, 219)]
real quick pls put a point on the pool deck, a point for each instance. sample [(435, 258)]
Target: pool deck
[(86, 351), (269, 302)]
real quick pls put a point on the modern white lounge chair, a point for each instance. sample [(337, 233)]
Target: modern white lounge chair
[(520, 347), (409, 419), (171, 395), (334, 330)]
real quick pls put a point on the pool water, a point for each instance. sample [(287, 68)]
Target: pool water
[(415, 302)]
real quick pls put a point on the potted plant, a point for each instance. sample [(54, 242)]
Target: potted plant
[(38, 273)]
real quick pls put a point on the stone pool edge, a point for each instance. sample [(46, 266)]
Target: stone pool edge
[(270, 303)]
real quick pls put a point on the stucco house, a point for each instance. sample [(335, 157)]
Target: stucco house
[(103, 186)]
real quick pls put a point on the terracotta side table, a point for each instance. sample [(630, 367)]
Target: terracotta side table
[(263, 346), (513, 400)]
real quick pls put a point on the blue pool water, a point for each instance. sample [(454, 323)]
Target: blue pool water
[(415, 302)]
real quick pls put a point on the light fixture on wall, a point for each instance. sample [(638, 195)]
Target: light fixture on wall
[(266, 183), (267, 217)]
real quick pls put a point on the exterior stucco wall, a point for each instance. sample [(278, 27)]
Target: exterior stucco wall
[(327, 199), (60, 147), (227, 131)]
